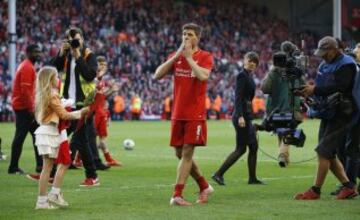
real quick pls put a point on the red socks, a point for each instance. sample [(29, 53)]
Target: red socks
[(178, 190), (203, 184), (107, 156)]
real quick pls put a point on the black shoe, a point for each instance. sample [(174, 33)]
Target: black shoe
[(17, 171), (256, 182), (218, 179), (282, 161), (102, 166)]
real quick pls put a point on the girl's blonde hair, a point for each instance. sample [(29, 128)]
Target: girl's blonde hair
[(44, 87)]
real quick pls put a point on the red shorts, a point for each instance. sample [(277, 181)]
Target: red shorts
[(101, 126), (188, 132), (64, 154)]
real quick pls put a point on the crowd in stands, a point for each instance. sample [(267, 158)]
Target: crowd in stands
[(136, 36)]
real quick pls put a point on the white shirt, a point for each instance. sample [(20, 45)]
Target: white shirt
[(72, 85)]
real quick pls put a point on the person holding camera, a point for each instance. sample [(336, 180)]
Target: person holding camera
[(242, 121), (279, 85), (335, 76), (78, 66)]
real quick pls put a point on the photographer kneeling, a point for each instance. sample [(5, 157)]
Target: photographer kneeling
[(335, 76), (279, 84)]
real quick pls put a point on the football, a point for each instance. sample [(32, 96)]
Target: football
[(129, 144)]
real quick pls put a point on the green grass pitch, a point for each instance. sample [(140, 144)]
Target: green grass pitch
[(141, 189)]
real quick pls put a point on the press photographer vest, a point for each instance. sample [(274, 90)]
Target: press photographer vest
[(326, 76), (87, 87)]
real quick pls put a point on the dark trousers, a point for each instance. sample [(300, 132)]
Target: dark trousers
[(91, 132), (25, 122), (245, 137), (80, 142), (351, 153)]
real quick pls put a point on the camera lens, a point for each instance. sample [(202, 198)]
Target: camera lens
[(75, 43)]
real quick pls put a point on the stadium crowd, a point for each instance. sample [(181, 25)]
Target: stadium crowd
[(136, 36)]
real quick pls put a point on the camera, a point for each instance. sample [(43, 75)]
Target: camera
[(74, 43), (294, 65), (325, 108), (283, 124)]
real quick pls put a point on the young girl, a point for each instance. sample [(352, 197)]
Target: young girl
[(48, 112)]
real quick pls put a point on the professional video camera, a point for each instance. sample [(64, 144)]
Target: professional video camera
[(294, 66), (291, 59), (283, 124)]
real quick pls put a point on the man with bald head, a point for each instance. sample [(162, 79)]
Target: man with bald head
[(335, 76)]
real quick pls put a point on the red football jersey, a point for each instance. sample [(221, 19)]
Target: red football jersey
[(189, 91)]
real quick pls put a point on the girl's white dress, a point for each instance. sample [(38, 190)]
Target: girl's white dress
[(47, 140)]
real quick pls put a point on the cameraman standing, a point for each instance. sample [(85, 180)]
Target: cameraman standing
[(278, 84), (78, 66), (335, 75)]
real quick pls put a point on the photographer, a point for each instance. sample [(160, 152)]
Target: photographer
[(279, 85), (335, 76), (242, 121), (78, 66)]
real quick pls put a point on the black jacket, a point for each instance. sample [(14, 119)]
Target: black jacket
[(85, 67), (244, 94)]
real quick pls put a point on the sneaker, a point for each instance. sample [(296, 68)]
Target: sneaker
[(310, 194), (336, 192), (45, 205), (33, 177), (89, 182), (179, 201), (114, 163), (218, 179), (57, 199), (101, 166), (204, 195), (16, 171), (347, 193), (36, 178), (256, 182)]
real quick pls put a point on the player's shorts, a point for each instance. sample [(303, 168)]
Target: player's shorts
[(101, 126), (188, 132)]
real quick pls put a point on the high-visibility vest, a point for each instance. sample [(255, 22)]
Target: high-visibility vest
[(207, 103), (258, 104), (87, 87), (167, 104), (136, 105), (217, 104), (119, 104)]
